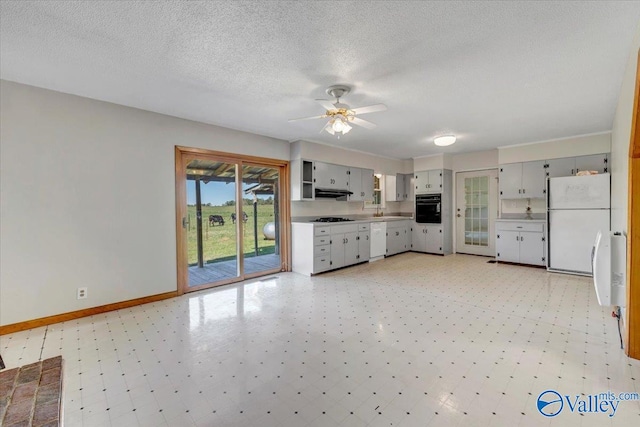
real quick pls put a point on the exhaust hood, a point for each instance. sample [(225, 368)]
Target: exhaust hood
[(327, 193)]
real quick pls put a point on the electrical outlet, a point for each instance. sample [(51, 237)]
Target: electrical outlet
[(82, 293)]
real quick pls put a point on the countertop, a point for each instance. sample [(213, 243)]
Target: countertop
[(356, 220)]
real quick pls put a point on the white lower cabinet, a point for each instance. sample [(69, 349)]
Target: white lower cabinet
[(398, 237), (520, 242), (318, 248), (427, 238), (344, 247), (364, 242)]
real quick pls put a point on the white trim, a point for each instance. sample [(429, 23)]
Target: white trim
[(555, 139)]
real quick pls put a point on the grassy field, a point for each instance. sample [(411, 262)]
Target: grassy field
[(219, 241)]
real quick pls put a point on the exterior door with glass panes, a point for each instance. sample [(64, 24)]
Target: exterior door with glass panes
[(476, 211)]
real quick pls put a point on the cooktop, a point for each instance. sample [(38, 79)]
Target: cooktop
[(331, 219)]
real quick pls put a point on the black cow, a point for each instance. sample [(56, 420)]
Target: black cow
[(244, 217), (215, 218)]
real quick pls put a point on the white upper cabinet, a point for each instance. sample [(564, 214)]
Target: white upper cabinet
[(360, 184), (596, 162), (355, 185), (395, 187), (561, 167), (533, 180), (302, 184), (367, 184), (408, 187), (569, 166), (428, 181), (510, 181), (329, 176), (522, 180)]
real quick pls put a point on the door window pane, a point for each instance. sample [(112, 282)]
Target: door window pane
[(476, 211)]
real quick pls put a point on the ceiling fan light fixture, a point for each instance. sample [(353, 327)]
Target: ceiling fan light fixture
[(444, 140), (338, 125)]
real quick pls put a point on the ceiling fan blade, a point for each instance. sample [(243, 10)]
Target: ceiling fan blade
[(363, 123), (326, 104), (308, 118), (370, 109)]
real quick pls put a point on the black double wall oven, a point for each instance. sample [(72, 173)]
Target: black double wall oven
[(428, 208)]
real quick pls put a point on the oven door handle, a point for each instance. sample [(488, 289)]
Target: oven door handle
[(438, 208)]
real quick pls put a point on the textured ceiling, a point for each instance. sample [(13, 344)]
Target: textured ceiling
[(493, 73)]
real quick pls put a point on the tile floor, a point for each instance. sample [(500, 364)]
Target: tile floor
[(413, 340)]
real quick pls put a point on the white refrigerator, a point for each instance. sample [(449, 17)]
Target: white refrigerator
[(577, 208)]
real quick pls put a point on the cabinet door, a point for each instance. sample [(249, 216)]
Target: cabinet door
[(400, 187), (421, 182), (407, 238), (434, 239), (350, 248), (508, 246), (322, 178), (390, 191), (419, 238), (533, 180), (355, 185), (364, 245), (597, 162), (561, 167), (337, 250), (409, 181), (435, 181), (394, 241), (331, 176), (367, 184), (510, 181), (531, 248)]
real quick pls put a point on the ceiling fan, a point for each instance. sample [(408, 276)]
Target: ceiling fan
[(341, 115)]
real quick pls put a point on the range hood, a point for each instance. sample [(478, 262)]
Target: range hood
[(327, 193)]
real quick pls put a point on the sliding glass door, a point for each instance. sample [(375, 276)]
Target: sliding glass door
[(230, 214)]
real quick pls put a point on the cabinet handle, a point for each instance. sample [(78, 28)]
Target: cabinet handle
[(346, 241), (517, 238), (367, 237), (523, 191), (521, 238), (397, 233), (519, 191), (571, 171)]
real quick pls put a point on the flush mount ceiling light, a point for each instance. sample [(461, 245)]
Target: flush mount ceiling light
[(444, 140), (340, 115)]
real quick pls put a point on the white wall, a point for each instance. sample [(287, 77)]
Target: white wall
[(88, 199), (583, 145), (435, 161), (620, 140), (475, 161)]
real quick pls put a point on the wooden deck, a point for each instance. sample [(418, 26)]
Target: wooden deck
[(228, 269)]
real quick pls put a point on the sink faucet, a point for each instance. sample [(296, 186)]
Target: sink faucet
[(378, 212)]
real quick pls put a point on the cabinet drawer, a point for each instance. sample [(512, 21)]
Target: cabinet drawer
[(364, 227), (342, 229), (321, 240), (322, 250), (321, 231), (321, 263), (520, 226)]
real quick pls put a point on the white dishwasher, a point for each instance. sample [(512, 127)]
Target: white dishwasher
[(378, 240)]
